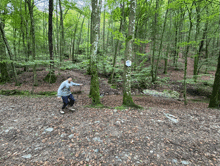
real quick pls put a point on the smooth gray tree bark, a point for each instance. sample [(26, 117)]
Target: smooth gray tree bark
[(128, 56)]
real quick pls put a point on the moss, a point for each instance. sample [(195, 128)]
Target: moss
[(128, 101), (47, 93), (50, 78), (14, 92), (26, 93), (4, 77), (114, 86), (94, 87), (123, 107), (128, 38)]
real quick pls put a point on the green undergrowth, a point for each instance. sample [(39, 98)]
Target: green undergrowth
[(26, 93), (198, 100), (50, 78), (123, 107)]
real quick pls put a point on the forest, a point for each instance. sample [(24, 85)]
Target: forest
[(150, 71), (59, 36)]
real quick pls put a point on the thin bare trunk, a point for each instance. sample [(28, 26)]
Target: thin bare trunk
[(80, 35), (31, 7), (61, 33)]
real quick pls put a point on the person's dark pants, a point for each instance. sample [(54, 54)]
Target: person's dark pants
[(68, 100)]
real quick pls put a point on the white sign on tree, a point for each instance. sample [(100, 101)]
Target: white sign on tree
[(128, 63)]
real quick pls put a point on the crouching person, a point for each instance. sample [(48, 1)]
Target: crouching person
[(65, 93)]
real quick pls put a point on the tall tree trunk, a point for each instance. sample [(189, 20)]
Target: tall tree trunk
[(50, 37), (9, 52), (113, 43), (108, 34), (179, 36), (175, 45), (206, 55), (14, 43), (61, 33), (94, 87), (214, 100), (103, 43), (186, 52), (166, 58), (116, 46), (80, 35), (168, 45), (22, 31), (3, 66), (196, 59), (161, 42), (154, 40), (127, 99), (31, 7), (74, 39), (91, 31), (44, 45), (51, 78), (27, 37), (57, 30), (88, 37)]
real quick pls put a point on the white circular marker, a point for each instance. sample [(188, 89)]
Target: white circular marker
[(128, 63)]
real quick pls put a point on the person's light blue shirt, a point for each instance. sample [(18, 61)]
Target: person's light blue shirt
[(64, 89)]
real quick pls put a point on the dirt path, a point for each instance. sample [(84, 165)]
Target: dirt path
[(32, 132)]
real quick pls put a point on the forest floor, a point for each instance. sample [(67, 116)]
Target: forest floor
[(164, 132)]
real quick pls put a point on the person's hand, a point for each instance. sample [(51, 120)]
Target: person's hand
[(81, 85), (59, 98)]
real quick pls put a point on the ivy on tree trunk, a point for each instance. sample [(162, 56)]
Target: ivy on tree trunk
[(94, 87)]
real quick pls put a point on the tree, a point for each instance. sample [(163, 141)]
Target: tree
[(61, 32), (31, 7), (117, 45), (51, 78), (27, 36), (80, 35), (3, 57), (95, 25), (74, 39), (214, 100), (154, 35), (128, 56), (10, 54), (215, 97), (161, 41), (187, 48)]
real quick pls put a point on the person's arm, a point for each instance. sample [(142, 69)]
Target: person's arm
[(60, 88), (75, 84)]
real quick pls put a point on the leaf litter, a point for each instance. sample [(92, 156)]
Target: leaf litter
[(33, 132)]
